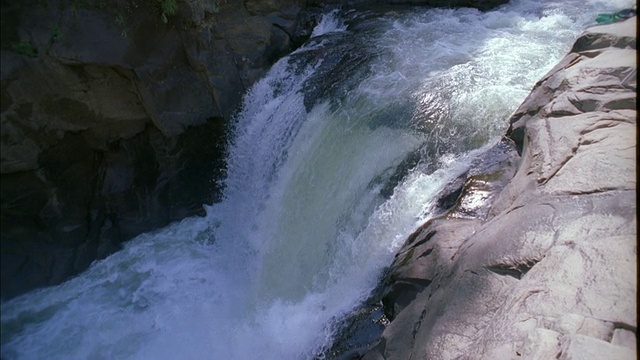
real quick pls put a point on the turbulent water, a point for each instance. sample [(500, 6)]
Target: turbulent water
[(335, 157)]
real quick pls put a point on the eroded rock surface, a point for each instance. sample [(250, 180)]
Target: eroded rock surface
[(549, 272)]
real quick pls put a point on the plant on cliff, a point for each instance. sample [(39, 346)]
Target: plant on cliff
[(121, 22), (55, 33), (168, 8), (24, 47)]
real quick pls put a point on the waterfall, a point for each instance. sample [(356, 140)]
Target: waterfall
[(335, 157)]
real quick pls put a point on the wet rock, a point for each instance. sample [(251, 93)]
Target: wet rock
[(549, 269), (81, 202)]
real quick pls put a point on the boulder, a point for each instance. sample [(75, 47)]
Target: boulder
[(549, 270)]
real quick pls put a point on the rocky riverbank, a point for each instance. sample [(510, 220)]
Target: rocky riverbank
[(537, 259)]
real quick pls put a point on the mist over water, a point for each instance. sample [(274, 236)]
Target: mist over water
[(335, 158)]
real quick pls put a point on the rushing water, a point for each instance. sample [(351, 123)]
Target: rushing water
[(336, 156)]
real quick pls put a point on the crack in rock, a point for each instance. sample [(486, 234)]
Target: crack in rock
[(516, 270)]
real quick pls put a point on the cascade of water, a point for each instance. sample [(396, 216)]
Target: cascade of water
[(335, 158)]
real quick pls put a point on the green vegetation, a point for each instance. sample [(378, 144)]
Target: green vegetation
[(74, 9), (121, 22), (25, 47), (168, 8), (55, 33)]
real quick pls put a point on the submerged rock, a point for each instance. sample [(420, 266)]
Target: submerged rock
[(549, 269)]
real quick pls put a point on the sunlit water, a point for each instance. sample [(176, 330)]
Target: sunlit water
[(336, 156)]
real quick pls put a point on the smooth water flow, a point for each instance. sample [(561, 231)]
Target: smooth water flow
[(335, 158)]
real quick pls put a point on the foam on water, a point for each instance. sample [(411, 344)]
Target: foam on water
[(306, 224), (331, 22)]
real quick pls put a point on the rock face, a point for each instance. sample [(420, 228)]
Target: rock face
[(549, 271), (114, 116)]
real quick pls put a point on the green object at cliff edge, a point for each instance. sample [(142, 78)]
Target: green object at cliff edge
[(609, 18)]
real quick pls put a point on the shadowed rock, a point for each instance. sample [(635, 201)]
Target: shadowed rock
[(114, 120)]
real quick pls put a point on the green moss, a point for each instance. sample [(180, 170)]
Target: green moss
[(120, 20), (25, 47), (168, 8), (54, 34)]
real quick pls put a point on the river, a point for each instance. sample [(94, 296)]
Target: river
[(337, 154)]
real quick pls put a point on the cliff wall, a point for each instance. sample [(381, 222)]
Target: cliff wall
[(114, 116), (538, 258)]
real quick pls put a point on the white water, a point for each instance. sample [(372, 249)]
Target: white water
[(304, 231)]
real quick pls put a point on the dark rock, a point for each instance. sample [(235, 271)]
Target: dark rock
[(82, 202), (111, 122)]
